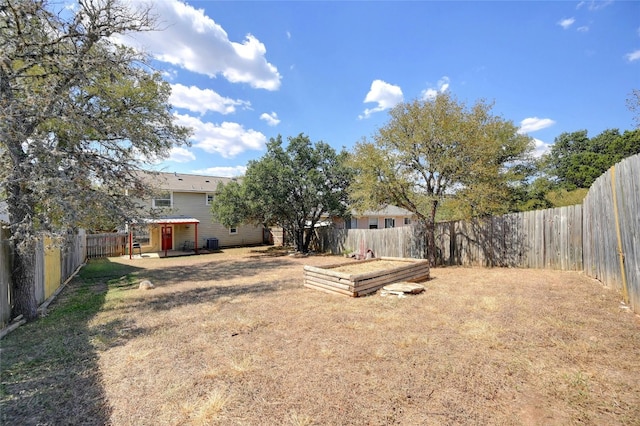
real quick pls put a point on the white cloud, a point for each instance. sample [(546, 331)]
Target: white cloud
[(633, 56), (583, 29), (190, 39), (541, 148), (431, 93), (222, 171), (594, 4), (566, 23), (203, 100), (385, 94), (271, 119), (533, 124), (181, 155), (170, 75), (227, 139)]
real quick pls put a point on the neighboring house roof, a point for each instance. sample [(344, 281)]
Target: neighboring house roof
[(186, 183), (172, 220), (386, 211)]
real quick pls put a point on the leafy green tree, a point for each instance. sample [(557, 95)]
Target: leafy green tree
[(575, 161), (78, 116), (293, 187), (440, 149)]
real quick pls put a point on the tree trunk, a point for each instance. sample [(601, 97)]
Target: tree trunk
[(431, 234), (300, 240), (23, 279), (307, 239)]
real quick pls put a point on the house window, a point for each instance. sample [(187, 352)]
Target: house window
[(389, 223), (164, 199), (141, 235), (353, 223), (208, 199), (407, 221), (373, 223), (233, 231)]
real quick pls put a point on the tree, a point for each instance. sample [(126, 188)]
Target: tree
[(437, 149), (575, 161), (78, 116), (293, 187)]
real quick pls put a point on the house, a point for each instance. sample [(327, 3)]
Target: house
[(387, 217), (184, 220)]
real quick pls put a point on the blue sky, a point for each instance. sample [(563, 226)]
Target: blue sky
[(244, 72)]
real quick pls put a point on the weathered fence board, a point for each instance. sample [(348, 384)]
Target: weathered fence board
[(5, 277), (538, 239), (106, 245), (39, 272), (612, 229), (73, 255), (55, 262)]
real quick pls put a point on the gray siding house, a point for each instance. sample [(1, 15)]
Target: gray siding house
[(387, 217), (183, 219)]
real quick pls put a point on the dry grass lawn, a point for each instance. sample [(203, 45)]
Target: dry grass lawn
[(233, 338)]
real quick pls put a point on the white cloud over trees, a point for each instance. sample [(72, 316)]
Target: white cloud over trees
[(270, 118), (222, 171), (195, 42), (384, 94), (432, 92), (199, 100), (227, 139), (533, 124)]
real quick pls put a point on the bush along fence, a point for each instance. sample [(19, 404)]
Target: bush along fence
[(600, 237), (54, 264)]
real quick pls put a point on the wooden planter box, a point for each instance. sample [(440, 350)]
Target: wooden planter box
[(355, 285)]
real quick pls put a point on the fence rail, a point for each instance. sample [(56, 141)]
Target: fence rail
[(538, 239), (612, 229), (55, 262), (106, 245)]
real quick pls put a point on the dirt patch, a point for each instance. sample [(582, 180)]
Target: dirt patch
[(362, 267), (234, 338)]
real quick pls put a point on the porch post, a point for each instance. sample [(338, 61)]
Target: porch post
[(196, 237), (162, 231), (130, 243)]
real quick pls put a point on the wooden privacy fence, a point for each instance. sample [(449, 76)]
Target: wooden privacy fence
[(54, 264), (5, 277), (538, 239), (106, 245), (600, 237), (612, 229)]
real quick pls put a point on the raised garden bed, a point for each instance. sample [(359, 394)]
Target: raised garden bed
[(365, 276)]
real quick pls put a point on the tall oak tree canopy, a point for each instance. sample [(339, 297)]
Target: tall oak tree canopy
[(440, 149), (293, 187), (79, 114)]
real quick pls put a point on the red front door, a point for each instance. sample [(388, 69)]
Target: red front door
[(167, 238)]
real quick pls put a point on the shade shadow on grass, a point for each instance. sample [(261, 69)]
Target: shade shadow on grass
[(218, 270), (214, 274), (49, 367)]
